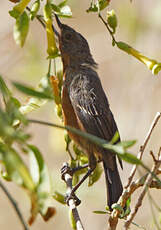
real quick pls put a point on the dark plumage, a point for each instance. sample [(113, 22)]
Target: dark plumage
[(85, 105)]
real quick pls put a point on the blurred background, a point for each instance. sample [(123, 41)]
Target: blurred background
[(134, 95)]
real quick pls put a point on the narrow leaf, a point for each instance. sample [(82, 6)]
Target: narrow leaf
[(127, 144), (59, 197), (130, 158), (31, 92), (4, 90), (100, 212)]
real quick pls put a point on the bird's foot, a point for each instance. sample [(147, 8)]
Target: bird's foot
[(72, 196), (66, 170)]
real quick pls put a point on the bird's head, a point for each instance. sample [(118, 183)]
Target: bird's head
[(73, 46)]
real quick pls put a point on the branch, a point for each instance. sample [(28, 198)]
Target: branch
[(15, 206), (141, 197), (142, 148), (68, 180)]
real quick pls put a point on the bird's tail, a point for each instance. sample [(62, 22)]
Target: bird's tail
[(114, 185)]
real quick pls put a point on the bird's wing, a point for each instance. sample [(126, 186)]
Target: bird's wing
[(91, 106)]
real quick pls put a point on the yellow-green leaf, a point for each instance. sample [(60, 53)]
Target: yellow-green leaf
[(19, 8), (21, 28)]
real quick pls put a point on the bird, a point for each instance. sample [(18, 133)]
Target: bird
[(86, 107)]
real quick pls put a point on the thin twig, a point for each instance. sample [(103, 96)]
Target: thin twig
[(141, 197), (142, 148), (68, 179), (105, 23), (14, 204)]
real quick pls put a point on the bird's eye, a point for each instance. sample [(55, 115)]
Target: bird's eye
[(68, 36)]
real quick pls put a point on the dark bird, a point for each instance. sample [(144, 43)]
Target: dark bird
[(86, 107)]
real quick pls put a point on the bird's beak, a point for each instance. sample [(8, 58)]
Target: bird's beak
[(58, 22), (59, 25)]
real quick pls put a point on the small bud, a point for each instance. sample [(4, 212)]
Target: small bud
[(156, 68)]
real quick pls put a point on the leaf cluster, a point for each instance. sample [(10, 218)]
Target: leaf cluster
[(33, 177)]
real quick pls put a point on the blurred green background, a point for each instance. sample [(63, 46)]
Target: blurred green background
[(134, 95)]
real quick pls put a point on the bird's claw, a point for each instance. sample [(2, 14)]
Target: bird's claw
[(66, 170), (72, 196)]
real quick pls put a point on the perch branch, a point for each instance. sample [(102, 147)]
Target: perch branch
[(14, 204), (68, 180)]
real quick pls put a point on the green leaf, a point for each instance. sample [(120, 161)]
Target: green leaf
[(21, 29), (38, 169), (76, 178), (115, 138), (16, 168), (67, 140), (36, 163), (7, 132), (4, 90), (130, 158), (100, 212), (55, 8), (31, 92), (127, 144), (78, 152), (92, 8), (41, 178), (118, 149), (19, 8), (62, 4), (59, 197), (128, 210), (94, 177), (98, 6), (103, 4)]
